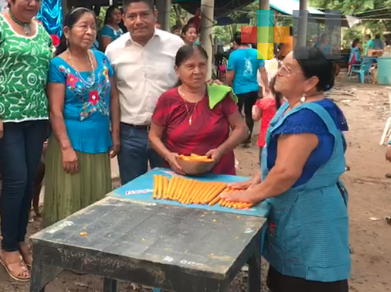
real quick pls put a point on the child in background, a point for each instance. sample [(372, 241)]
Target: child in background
[(264, 110)]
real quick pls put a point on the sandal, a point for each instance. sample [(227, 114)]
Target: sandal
[(17, 270), (25, 253)]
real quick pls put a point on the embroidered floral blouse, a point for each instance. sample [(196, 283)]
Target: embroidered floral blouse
[(86, 110)]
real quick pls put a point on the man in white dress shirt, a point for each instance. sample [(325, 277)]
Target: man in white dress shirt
[(143, 60)]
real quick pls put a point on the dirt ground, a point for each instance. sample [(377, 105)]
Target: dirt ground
[(366, 108)]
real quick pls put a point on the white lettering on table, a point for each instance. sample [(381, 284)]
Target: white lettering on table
[(138, 192), (60, 226), (141, 202), (189, 263), (248, 230), (168, 259)]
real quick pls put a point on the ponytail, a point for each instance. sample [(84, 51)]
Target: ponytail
[(62, 47)]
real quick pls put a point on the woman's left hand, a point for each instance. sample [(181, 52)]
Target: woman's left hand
[(214, 154), (246, 196), (114, 150)]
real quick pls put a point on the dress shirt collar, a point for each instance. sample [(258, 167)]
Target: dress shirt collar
[(156, 34)]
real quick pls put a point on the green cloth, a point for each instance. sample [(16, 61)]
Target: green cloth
[(218, 92), (66, 194), (24, 66), (369, 45)]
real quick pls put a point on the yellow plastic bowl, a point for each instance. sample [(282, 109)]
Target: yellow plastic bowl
[(195, 167)]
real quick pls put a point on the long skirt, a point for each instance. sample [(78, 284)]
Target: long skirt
[(277, 282), (66, 193)]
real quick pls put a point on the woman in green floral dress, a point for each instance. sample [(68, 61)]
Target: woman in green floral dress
[(25, 54)]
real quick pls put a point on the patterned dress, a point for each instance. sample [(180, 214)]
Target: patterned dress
[(208, 130), (87, 120), (24, 65)]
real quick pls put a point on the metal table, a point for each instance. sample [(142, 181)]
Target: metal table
[(170, 247)]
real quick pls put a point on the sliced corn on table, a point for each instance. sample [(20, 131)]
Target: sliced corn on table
[(163, 186)]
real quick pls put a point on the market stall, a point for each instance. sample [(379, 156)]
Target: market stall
[(130, 236)]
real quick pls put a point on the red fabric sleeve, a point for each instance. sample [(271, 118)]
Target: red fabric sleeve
[(259, 103), (228, 106), (162, 111)]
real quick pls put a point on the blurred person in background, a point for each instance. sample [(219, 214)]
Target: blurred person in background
[(111, 29), (243, 65)]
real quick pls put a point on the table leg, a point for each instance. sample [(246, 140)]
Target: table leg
[(41, 275), (110, 285), (254, 272)]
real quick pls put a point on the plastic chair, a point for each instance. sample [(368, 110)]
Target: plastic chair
[(362, 70), (387, 127)]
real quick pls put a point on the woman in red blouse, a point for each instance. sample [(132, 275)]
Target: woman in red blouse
[(184, 123)]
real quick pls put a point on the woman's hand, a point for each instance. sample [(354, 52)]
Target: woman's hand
[(70, 161), (246, 196), (114, 150), (215, 154), (172, 159), (388, 153), (215, 81), (1, 129), (248, 184)]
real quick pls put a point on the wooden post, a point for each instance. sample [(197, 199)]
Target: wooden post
[(303, 21), (164, 8), (264, 5), (167, 12), (64, 5), (207, 22), (160, 8)]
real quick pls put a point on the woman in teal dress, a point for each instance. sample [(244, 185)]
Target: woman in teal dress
[(111, 30), (307, 235), (82, 105)]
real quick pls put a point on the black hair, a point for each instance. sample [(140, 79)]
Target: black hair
[(238, 38), (313, 62), (186, 51), (277, 95), (109, 12), (150, 4), (70, 19), (187, 27), (377, 36), (355, 42)]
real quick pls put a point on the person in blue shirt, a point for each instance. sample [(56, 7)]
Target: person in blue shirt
[(111, 29), (324, 44), (243, 66), (368, 45), (84, 114), (306, 240), (378, 43)]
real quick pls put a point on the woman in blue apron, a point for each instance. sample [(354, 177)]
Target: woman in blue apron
[(307, 236)]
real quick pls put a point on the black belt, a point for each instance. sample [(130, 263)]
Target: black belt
[(139, 127)]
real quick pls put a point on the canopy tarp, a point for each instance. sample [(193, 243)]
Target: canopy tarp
[(224, 7)]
